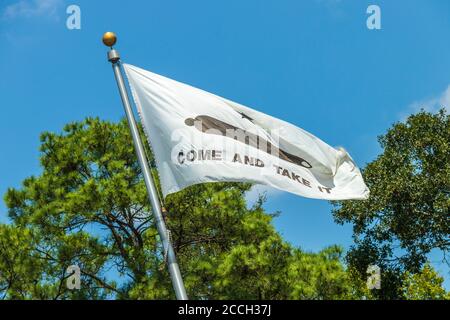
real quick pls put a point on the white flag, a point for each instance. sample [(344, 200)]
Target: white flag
[(199, 137)]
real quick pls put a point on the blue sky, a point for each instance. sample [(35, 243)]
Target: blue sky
[(313, 63)]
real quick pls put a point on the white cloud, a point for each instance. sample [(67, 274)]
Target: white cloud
[(432, 104), (32, 8), (258, 189), (445, 98)]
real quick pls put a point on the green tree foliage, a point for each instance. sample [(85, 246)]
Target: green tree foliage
[(407, 214), (425, 285), (32, 266), (89, 208)]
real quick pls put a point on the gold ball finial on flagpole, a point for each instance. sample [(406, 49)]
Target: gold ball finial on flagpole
[(109, 39)]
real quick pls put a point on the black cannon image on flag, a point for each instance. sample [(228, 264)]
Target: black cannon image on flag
[(211, 125)]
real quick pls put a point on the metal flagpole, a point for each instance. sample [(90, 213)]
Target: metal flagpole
[(109, 39)]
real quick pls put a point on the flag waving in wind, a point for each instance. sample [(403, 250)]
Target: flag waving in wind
[(199, 137)]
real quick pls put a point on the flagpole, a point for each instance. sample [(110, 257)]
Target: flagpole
[(109, 39)]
